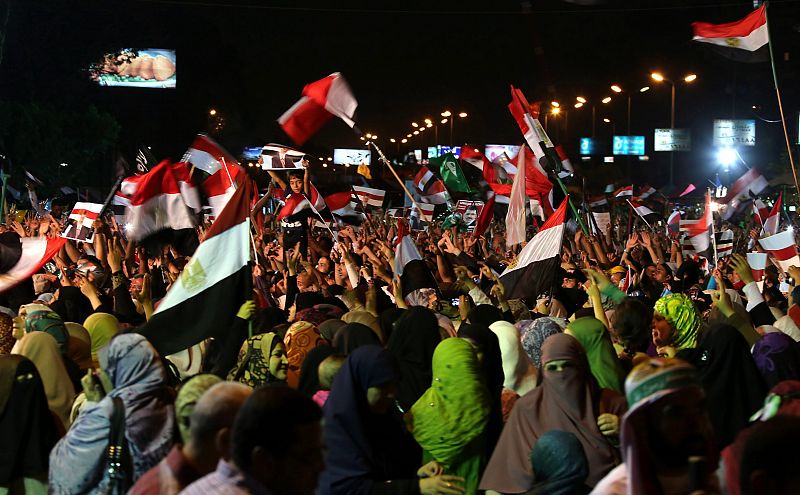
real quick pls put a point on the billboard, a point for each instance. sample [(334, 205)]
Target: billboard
[(628, 145), (433, 151), (343, 156), (587, 146), (672, 140), (734, 132), (455, 150), (138, 68), (493, 151)]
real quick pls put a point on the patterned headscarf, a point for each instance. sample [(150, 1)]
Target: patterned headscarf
[(534, 333), (6, 330), (680, 313), (187, 398), (252, 365), (40, 318), (301, 337)]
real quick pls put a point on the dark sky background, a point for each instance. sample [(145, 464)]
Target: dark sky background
[(405, 61)]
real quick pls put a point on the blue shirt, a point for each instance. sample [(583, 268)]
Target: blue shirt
[(228, 480)]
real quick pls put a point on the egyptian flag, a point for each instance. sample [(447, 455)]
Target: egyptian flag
[(598, 200), (424, 213), (20, 258), (758, 263), (529, 124), (431, 189), (485, 218), (220, 186), (749, 184), (782, 248), (203, 301), (566, 166), (674, 223), (745, 40), (643, 211), (474, 157), (774, 218), (322, 100), (206, 155), (537, 264), (698, 231), (163, 208), (646, 191), (760, 211), (343, 208), (410, 267), (370, 196), (294, 204), (624, 192)]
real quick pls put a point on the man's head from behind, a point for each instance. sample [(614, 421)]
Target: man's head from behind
[(277, 439), (212, 419), (769, 458)]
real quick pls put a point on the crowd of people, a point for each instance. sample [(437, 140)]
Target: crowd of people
[(642, 371)]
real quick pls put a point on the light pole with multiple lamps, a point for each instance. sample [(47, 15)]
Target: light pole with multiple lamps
[(658, 77)]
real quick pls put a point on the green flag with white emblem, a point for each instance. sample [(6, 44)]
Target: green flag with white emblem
[(451, 173)]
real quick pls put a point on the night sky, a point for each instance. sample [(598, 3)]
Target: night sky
[(406, 61)]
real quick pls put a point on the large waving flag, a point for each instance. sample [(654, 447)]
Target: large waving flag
[(515, 217), (206, 155), (203, 301), (342, 206), (774, 219), (20, 258), (322, 100), (749, 184), (782, 248), (744, 40), (529, 125), (370, 196), (698, 231), (223, 169), (451, 172), (431, 190), (536, 265)]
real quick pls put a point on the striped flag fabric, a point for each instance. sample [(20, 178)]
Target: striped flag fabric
[(536, 265), (515, 217), (758, 263), (223, 171), (431, 190), (674, 223), (409, 266), (760, 211), (206, 155), (724, 240), (642, 210), (749, 184), (782, 248), (294, 204), (212, 286), (566, 166), (529, 125), (598, 200), (774, 218), (646, 191), (343, 207), (21, 257), (425, 211), (369, 196), (744, 40), (698, 231), (85, 213), (320, 101), (624, 192)]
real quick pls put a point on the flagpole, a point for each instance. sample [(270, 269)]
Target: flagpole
[(639, 214), (778, 94), (713, 234), (233, 184), (572, 206), (4, 176), (386, 162)]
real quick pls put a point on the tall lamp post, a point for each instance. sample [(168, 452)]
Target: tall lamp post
[(658, 77), (618, 89)]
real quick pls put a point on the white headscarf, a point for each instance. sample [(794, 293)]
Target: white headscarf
[(520, 375)]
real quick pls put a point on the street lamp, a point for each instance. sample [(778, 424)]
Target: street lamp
[(462, 115), (555, 104), (446, 113), (606, 100), (414, 124), (688, 79), (615, 88), (392, 140), (212, 112)]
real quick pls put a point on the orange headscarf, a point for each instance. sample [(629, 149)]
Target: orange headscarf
[(301, 337)]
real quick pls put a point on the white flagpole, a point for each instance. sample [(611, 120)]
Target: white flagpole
[(713, 235), (640, 215)]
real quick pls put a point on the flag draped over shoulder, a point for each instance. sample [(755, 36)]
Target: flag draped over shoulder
[(203, 301), (536, 265), (322, 100), (20, 258), (744, 40)]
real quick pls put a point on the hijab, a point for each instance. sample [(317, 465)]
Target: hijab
[(7, 340), (520, 375), (734, 387), (328, 328), (484, 314), (363, 447), (534, 333), (560, 464), (252, 364), (139, 379), (681, 314), (27, 427), (454, 411), (777, 357), (40, 318), (603, 361), (309, 372), (354, 335), (491, 363), (413, 341), (101, 327), (187, 398), (42, 350), (569, 401), (301, 337), (79, 345), (364, 318), (387, 320)]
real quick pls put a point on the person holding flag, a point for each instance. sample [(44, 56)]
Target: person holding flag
[(296, 210)]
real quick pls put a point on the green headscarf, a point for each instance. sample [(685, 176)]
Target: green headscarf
[(453, 412), (101, 327), (603, 361), (187, 398), (252, 364), (680, 313)]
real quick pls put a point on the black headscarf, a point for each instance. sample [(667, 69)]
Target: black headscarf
[(415, 337), (353, 336), (492, 367), (387, 320), (734, 386), (27, 427), (364, 448), (309, 372), (484, 314), (72, 305)]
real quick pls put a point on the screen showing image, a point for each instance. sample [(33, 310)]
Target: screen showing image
[(138, 68), (628, 145), (251, 153), (455, 150), (342, 156), (433, 151), (492, 151)]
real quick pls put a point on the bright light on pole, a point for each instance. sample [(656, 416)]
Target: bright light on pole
[(690, 78), (657, 77), (580, 99), (392, 140), (607, 121), (644, 89), (428, 122), (615, 88), (606, 100), (212, 112), (404, 140), (555, 104), (414, 124), (578, 105), (555, 111), (726, 157), (415, 133), (446, 113), (444, 121), (463, 115)]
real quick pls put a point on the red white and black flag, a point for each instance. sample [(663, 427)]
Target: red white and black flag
[(322, 100), (212, 286), (370, 196), (20, 258), (536, 266), (782, 248), (744, 40), (342, 206)]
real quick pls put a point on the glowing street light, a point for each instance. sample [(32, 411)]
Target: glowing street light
[(615, 88), (392, 140), (555, 104), (415, 133), (414, 124), (408, 135), (212, 112), (606, 100), (580, 99), (555, 111), (428, 122), (644, 89), (607, 121), (578, 105), (444, 121), (446, 113), (726, 157), (463, 115), (690, 78), (374, 136), (404, 140), (657, 77), (369, 135)]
